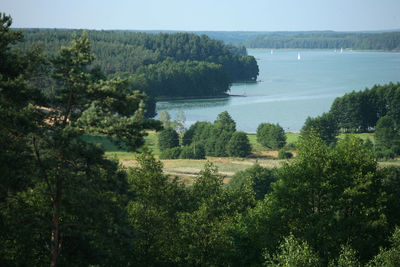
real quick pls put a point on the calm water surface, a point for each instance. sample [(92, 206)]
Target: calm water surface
[(290, 90)]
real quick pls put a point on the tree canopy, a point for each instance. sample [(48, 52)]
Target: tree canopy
[(271, 135)]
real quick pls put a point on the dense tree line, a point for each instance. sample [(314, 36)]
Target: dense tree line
[(184, 79), (360, 111), (161, 65), (126, 51), (376, 109), (327, 40), (218, 139)]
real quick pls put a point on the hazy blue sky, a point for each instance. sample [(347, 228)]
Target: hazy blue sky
[(247, 15)]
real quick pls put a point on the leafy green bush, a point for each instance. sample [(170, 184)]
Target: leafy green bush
[(290, 146), (293, 252), (271, 135), (193, 152), (283, 154), (171, 153), (387, 138), (259, 177)]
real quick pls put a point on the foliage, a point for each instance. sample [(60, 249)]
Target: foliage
[(390, 256), (293, 253), (225, 121), (258, 177), (171, 153), (127, 51), (64, 177), (153, 212), (171, 78), (205, 238), (239, 145), (271, 135), (325, 193), (360, 111), (214, 137), (283, 154), (165, 119), (193, 152), (325, 125), (327, 40), (168, 138), (63, 202), (387, 138), (348, 257), (179, 122)]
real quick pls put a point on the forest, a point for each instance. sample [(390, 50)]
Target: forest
[(64, 203), (387, 41), (162, 65)]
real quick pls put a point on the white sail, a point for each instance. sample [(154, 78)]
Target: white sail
[(272, 51), (341, 50), (298, 56)]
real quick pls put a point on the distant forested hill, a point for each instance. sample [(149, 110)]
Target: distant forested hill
[(119, 51), (388, 41)]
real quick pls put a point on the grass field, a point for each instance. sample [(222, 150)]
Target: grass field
[(187, 169)]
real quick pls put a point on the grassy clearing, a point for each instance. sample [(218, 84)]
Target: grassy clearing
[(363, 136), (187, 169)]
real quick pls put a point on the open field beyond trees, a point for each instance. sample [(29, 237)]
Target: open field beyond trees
[(187, 169)]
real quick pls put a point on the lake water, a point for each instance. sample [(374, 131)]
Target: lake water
[(290, 90)]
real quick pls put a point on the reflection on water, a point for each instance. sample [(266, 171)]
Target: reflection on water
[(192, 104)]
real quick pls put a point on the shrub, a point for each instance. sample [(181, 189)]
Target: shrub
[(283, 154), (168, 138), (290, 146), (171, 153), (239, 145), (271, 135), (193, 152), (259, 177), (387, 138)]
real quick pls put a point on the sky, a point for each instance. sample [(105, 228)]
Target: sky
[(206, 15)]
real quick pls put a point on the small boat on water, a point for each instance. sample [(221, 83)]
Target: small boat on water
[(298, 56), (341, 50), (272, 51)]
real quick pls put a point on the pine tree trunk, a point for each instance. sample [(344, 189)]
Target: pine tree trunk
[(55, 229)]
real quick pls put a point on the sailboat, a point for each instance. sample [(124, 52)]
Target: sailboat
[(272, 51), (341, 50), (298, 56)]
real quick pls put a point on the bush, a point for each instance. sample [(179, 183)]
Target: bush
[(168, 138), (171, 153), (283, 154), (387, 138), (239, 145), (290, 146), (193, 152), (271, 135), (259, 177)]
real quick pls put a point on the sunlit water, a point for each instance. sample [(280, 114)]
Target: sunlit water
[(290, 90)]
